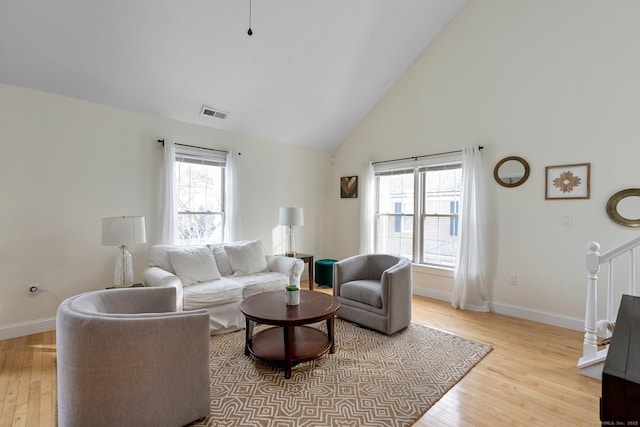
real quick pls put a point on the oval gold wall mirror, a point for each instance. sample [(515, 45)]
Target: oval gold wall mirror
[(511, 171), (622, 205)]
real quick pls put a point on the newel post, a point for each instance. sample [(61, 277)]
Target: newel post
[(590, 347)]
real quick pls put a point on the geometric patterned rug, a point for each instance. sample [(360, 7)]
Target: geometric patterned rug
[(371, 380)]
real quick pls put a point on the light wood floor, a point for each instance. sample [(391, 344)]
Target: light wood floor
[(530, 377)]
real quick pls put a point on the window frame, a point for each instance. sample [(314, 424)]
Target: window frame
[(418, 167), (394, 215), (454, 217), (208, 158)]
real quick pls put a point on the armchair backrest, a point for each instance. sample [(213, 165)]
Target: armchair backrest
[(366, 266), (124, 301), (128, 348)]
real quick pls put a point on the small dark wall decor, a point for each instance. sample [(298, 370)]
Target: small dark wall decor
[(348, 187)]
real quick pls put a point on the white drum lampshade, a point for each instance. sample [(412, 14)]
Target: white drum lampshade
[(123, 231)]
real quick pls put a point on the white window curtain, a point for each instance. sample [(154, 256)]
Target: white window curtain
[(231, 195), (470, 285), (367, 208), (169, 209)]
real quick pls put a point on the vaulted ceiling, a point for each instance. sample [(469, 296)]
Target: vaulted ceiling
[(309, 73)]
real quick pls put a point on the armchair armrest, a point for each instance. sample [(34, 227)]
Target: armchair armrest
[(397, 282), (290, 266), (397, 275), (156, 276)]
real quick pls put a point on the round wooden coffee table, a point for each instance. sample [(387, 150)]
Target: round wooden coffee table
[(289, 342)]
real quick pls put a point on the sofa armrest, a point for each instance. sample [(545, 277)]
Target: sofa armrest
[(156, 276), (291, 267)]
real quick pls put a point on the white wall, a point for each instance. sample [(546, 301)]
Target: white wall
[(66, 163), (555, 82)]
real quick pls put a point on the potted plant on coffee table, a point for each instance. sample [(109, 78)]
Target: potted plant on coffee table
[(292, 295)]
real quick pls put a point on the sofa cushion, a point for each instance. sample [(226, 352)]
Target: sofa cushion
[(194, 264), (266, 281), (222, 259), (247, 258), (208, 294), (159, 257)]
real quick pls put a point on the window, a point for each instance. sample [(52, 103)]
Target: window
[(441, 199), (394, 222), (200, 184), (417, 210)]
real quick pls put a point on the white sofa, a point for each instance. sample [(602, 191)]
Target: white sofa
[(218, 277)]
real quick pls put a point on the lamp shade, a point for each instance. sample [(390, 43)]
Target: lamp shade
[(291, 216), (123, 230)]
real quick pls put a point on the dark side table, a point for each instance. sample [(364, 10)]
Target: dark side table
[(308, 259)]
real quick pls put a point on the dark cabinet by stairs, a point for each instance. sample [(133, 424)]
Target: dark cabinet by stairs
[(620, 401)]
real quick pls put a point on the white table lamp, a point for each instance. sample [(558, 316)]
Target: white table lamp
[(291, 217), (123, 231)]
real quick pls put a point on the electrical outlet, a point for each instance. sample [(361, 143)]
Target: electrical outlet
[(34, 288), (513, 279)]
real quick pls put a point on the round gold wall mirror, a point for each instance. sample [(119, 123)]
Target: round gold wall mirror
[(511, 171), (624, 206)]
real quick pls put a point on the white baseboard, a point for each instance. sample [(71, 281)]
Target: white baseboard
[(433, 294), (548, 318), (21, 329)]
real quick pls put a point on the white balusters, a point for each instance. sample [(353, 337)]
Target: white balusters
[(610, 291), (594, 259), (632, 272)]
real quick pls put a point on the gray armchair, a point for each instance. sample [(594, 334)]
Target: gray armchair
[(126, 358), (374, 291)]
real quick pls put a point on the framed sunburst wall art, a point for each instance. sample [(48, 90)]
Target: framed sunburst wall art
[(349, 187), (568, 181)]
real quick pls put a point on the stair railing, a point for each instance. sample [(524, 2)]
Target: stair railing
[(594, 259)]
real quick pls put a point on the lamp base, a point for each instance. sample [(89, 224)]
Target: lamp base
[(291, 242), (123, 275)]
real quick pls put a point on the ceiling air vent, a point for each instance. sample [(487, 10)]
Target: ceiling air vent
[(212, 112)]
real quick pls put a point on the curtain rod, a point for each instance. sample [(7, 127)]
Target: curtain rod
[(420, 157), (161, 141)]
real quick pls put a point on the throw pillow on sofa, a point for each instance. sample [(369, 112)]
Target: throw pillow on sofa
[(222, 259), (193, 265), (247, 258)]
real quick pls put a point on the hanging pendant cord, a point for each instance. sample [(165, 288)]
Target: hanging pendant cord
[(250, 32)]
